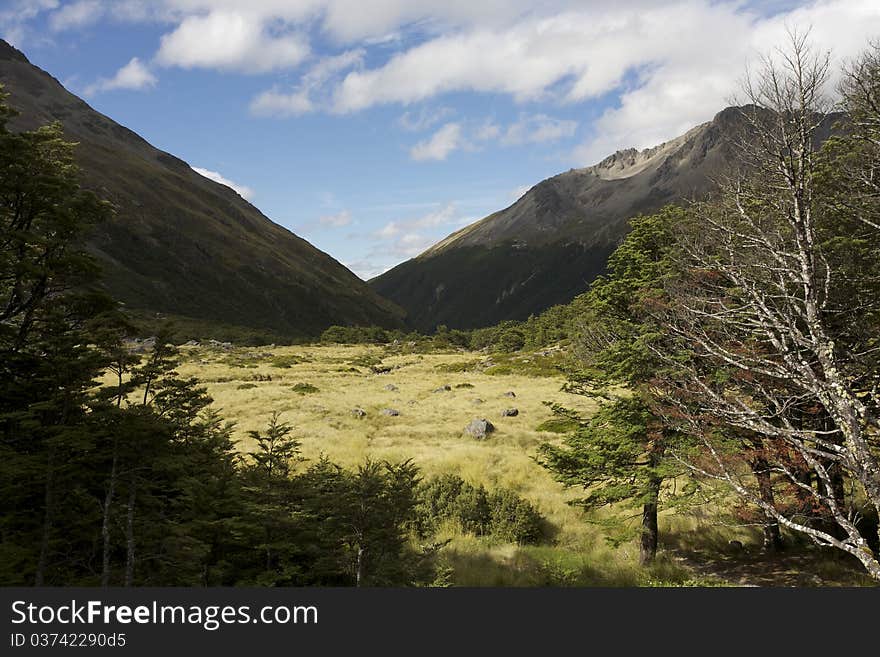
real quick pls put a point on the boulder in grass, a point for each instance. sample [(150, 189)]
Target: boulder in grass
[(359, 413), (391, 412), (510, 393), (479, 428), (510, 412), (443, 389), (391, 387)]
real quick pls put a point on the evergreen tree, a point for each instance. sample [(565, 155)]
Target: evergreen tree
[(619, 453)]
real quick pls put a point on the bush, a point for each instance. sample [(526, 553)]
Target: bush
[(366, 360), (304, 388), (285, 362), (514, 518), (360, 335), (502, 514)]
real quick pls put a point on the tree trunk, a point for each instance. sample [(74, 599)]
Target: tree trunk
[(772, 535), (105, 521), (129, 536), (43, 560), (360, 567), (650, 532)]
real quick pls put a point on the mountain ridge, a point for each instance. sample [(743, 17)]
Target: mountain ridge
[(184, 245), (550, 244)]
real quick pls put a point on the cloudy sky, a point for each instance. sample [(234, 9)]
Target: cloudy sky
[(373, 128)]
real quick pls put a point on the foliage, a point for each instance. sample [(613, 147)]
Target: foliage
[(501, 514), (619, 454), (286, 361)]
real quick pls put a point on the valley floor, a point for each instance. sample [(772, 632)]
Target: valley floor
[(316, 388)]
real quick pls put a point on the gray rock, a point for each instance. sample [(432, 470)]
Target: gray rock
[(479, 428), (359, 413), (443, 389), (391, 387), (510, 393), (510, 412), (390, 412), (476, 400)]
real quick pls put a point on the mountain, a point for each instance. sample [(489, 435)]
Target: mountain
[(183, 245), (550, 244)]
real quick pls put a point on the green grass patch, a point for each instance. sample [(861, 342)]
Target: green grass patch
[(558, 425)]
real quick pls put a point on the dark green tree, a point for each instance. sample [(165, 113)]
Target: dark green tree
[(48, 362), (268, 484), (619, 454)]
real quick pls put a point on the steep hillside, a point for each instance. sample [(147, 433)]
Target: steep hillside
[(184, 245), (549, 245)]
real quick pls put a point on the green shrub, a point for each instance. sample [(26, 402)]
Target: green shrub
[(514, 519), (246, 386), (366, 360), (502, 514), (286, 361), (304, 388), (360, 335)]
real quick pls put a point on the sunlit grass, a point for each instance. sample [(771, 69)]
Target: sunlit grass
[(315, 389)]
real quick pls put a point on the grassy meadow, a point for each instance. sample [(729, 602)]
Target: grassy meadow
[(315, 388)]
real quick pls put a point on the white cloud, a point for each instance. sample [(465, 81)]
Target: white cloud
[(439, 145), (365, 269), (538, 129), (245, 192), (409, 237), (307, 96), (664, 65), (488, 131), (337, 220), (423, 119), (232, 40), (674, 63), (274, 102), (134, 76), (528, 129), (76, 14), (15, 16)]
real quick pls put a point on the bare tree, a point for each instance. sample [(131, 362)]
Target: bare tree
[(757, 325)]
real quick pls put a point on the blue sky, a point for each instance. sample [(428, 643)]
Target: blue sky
[(373, 128)]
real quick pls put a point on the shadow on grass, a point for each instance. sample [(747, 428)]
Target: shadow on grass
[(548, 566), (736, 556)]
